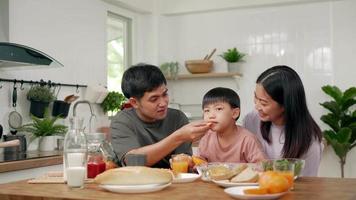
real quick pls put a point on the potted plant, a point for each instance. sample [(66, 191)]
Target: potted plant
[(113, 102), (342, 121), (40, 97), (45, 129), (233, 57), (170, 69)]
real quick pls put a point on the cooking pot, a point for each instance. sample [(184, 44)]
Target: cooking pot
[(20, 148)]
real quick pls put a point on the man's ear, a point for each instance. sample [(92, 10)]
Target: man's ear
[(134, 102), (236, 113)]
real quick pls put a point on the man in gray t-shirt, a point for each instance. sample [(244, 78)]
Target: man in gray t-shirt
[(150, 127)]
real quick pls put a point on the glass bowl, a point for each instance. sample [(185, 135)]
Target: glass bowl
[(267, 165)]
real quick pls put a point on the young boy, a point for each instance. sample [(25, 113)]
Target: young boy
[(226, 141)]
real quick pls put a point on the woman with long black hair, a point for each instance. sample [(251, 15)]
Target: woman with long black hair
[(282, 121)]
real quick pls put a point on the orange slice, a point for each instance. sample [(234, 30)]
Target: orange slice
[(258, 191), (198, 161)]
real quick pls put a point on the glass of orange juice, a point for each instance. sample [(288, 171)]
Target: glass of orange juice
[(179, 165), (286, 169)]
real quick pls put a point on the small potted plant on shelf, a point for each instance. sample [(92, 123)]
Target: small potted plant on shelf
[(233, 57), (40, 97), (170, 69), (113, 102), (46, 130)]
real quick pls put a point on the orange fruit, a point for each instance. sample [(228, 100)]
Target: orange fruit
[(265, 177), (258, 191), (278, 184), (289, 176), (198, 161), (274, 182), (110, 165)]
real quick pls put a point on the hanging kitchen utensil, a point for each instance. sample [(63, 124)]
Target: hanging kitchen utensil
[(70, 98), (1, 131), (15, 118)]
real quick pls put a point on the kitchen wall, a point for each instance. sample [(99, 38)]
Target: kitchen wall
[(316, 39), (74, 33)]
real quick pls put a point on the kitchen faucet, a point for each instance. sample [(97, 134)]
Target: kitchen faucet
[(91, 111)]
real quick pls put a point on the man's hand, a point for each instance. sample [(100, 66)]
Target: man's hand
[(193, 131)]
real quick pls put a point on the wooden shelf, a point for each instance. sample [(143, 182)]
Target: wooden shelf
[(207, 75)]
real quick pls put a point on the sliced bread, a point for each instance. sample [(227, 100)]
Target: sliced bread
[(248, 175)]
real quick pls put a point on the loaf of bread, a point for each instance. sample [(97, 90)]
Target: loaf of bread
[(134, 175), (248, 175)]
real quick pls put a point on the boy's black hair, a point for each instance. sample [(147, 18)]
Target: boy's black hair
[(141, 78), (221, 94)]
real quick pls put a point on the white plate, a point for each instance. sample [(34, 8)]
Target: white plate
[(135, 188), (227, 183), (238, 192), (186, 177)]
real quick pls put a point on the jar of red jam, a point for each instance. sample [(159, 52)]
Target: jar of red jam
[(96, 164)]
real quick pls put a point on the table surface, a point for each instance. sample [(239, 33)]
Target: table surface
[(314, 188)]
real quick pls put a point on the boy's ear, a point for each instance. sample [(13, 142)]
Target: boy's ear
[(236, 113), (134, 102)]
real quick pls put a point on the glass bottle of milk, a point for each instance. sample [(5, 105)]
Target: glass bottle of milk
[(75, 154)]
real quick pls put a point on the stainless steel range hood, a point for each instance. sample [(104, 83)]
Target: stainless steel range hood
[(16, 55)]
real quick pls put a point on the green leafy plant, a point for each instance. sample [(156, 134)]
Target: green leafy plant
[(170, 69), (342, 121), (233, 55), (113, 102), (40, 93), (44, 127)]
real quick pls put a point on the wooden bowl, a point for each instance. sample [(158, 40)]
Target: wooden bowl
[(199, 66)]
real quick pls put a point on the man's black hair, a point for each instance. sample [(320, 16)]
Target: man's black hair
[(141, 78)]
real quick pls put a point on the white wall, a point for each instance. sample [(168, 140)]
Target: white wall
[(74, 33), (316, 39)]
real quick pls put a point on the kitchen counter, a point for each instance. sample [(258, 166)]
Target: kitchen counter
[(27, 160), (305, 188)]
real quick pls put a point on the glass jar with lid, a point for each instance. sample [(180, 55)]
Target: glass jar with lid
[(96, 164)]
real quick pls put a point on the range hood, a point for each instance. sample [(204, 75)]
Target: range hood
[(16, 55)]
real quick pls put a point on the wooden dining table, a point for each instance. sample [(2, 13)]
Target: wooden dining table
[(305, 188)]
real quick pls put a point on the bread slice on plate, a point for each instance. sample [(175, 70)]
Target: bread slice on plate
[(248, 175)]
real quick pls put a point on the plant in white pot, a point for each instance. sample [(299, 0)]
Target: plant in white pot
[(46, 130), (233, 57)]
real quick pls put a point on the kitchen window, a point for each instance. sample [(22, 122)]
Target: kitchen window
[(118, 49)]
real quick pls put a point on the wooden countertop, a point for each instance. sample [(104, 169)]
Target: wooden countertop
[(48, 160), (314, 188)]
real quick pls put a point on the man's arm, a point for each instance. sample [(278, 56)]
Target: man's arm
[(156, 152)]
